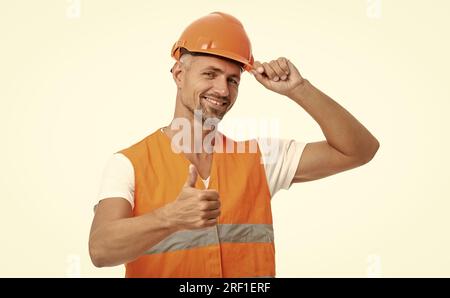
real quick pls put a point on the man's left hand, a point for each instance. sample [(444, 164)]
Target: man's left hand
[(280, 76)]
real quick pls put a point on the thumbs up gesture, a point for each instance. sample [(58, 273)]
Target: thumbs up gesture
[(194, 208)]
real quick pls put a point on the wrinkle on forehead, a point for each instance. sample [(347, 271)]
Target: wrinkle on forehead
[(210, 60), (219, 65)]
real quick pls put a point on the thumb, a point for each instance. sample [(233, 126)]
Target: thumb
[(192, 176), (260, 77)]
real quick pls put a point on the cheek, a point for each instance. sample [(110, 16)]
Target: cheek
[(200, 88), (191, 90), (234, 94)]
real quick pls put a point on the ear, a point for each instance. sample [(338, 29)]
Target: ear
[(178, 74)]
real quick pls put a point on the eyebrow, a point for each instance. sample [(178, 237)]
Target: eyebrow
[(219, 71)]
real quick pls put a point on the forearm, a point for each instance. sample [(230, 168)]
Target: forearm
[(342, 131), (124, 240)]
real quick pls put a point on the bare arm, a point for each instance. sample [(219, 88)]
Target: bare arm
[(348, 143), (116, 237)]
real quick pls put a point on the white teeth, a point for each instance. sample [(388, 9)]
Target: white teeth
[(217, 103)]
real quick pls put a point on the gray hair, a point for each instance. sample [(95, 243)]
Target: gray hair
[(186, 60)]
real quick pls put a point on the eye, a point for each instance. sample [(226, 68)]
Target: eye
[(233, 81), (209, 74)]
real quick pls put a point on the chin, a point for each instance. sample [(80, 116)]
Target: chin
[(208, 113), (212, 115)]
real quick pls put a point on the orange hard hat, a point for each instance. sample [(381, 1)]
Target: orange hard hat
[(218, 34)]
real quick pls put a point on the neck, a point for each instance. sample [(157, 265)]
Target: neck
[(188, 131)]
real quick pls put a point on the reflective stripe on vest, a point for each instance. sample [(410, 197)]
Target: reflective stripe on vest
[(237, 233), (241, 245)]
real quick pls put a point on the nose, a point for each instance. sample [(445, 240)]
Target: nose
[(221, 87)]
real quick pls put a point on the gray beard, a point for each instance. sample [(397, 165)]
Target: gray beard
[(205, 113)]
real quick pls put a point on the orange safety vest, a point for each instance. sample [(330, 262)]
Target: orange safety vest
[(240, 245)]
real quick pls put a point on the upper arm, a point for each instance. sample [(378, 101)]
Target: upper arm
[(320, 160), (110, 209)]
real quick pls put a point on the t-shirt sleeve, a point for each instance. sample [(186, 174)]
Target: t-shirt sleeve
[(280, 158), (117, 179)]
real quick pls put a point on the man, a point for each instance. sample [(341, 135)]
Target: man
[(158, 219)]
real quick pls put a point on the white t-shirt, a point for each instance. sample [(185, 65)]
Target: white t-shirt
[(118, 175)]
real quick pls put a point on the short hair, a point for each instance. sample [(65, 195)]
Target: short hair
[(183, 59)]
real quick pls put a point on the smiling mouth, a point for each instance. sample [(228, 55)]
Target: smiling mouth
[(214, 102)]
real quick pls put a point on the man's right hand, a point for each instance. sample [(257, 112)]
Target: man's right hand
[(194, 208)]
